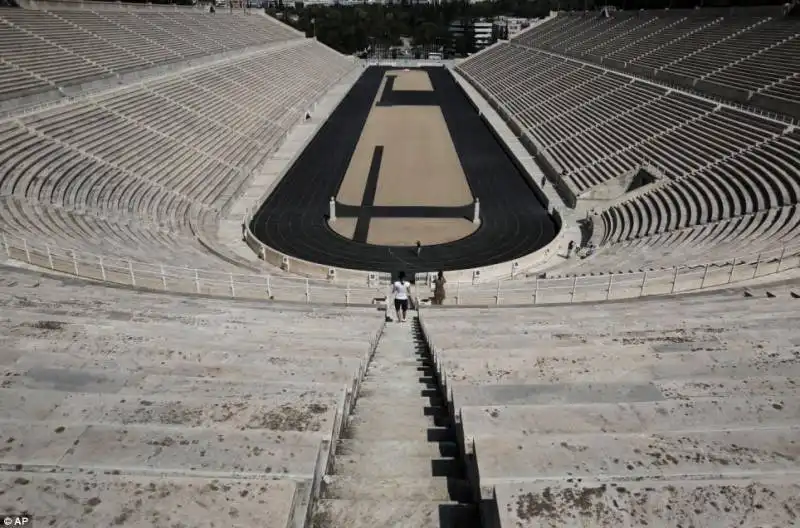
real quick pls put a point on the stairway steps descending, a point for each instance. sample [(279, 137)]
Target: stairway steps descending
[(397, 463)]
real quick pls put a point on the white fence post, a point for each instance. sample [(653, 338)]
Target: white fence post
[(5, 245), (705, 274), (674, 279), (497, 294), (27, 251), (49, 256), (130, 270), (610, 283), (233, 288), (644, 281), (163, 278), (75, 263), (196, 281), (458, 291), (347, 293), (574, 285), (536, 290), (102, 268), (308, 292), (733, 266), (758, 264), (269, 289)]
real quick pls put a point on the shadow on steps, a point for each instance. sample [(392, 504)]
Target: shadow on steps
[(451, 466), (459, 516), (466, 513)]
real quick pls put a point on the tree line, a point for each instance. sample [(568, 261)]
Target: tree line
[(354, 28)]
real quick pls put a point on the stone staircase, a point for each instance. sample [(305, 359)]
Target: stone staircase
[(397, 463)]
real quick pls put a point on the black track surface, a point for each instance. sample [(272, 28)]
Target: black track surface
[(293, 219)]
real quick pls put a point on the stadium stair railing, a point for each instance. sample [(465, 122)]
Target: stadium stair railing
[(578, 288)]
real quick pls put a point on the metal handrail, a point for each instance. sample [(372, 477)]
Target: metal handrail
[(230, 284)]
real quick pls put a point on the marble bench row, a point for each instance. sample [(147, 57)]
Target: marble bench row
[(595, 125), (765, 177), (63, 47), (749, 50), (132, 170)]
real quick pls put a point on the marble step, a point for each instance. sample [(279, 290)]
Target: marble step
[(383, 466), (395, 488), (397, 448), (365, 513)]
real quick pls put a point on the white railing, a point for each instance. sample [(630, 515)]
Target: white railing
[(679, 279), (190, 280), (297, 289), (406, 62)]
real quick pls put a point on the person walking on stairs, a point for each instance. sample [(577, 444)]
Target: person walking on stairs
[(438, 289), (400, 290)]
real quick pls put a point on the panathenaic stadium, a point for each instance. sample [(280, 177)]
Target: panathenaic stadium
[(201, 216)]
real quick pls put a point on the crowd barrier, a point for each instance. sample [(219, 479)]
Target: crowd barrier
[(407, 63), (373, 289), (639, 283)]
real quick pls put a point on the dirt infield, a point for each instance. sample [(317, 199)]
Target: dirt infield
[(420, 165), (417, 166), (412, 80), (344, 226), (406, 231)]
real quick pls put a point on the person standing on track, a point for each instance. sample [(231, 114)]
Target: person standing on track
[(400, 289)]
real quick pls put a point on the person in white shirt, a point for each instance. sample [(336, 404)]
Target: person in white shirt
[(400, 290)]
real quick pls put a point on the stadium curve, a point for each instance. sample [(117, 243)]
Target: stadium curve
[(513, 222)]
